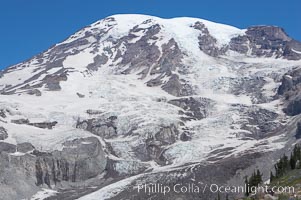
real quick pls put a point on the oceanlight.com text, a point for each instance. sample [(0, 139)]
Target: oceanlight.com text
[(180, 188)]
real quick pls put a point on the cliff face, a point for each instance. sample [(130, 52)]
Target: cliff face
[(138, 98), (24, 168)]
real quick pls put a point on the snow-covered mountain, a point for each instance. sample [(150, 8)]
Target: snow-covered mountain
[(139, 99)]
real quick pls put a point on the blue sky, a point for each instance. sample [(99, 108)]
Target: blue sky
[(31, 26)]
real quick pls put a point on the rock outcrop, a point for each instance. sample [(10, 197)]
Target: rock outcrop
[(267, 41), (3, 133), (79, 160), (290, 90), (104, 127), (43, 125)]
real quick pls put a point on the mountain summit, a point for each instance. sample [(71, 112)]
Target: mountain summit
[(139, 99)]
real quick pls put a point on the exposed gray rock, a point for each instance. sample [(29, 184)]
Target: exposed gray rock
[(80, 95), (260, 122), (79, 160), (25, 147), (294, 107), (153, 147), (2, 113), (290, 89), (53, 81), (94, 112), (266, 41), (185, 136), (98, 61), (154, 152), (286, 85), (35, 92), (194, 108), (298, 131), (175, 87), (20, 121), (207, 43), (7, 147), (104, 127), (252, 86), (3, 133), (44, 125), (170, 60), (290, 51), (17, 176), (140, 53), (167, 135), (290, 81), (239, 44), (155, 144)]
